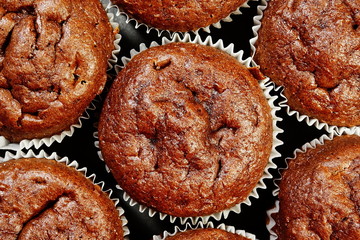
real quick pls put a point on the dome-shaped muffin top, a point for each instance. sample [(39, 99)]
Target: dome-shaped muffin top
[(179, 15), (319, 193), (45, 199), (312, 48), (186, 129), (206, 234), (53, 61)]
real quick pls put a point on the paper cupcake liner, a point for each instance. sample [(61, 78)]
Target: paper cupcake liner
[(257, 24), (112, 13), (265, 86), (222, 226), (207, 29), (310, 121), (313, 121), (73, 164), (310, 145), (38, 142)]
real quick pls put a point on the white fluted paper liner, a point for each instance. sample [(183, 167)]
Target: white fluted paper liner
[(207, 29), (222, 226), (73, 164), (271, 222), (38, 142), (3, 142), (313, 121), (310, 121), (257, 24), (112, 14), (310, 145), (265, 86)]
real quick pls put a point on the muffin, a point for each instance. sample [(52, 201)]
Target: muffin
[(312, 49), (53, 61), (179, 16), (186, 130), (44, 199), (319, 193), (206, 233)]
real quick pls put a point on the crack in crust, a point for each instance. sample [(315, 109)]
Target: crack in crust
[(312, 48), (198, 128), (53, 62)]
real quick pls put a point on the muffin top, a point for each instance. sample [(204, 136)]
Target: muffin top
[(312, 48), (53, 61), (186, 129), (179, 15), (45, 199), (319, 193), (206, 233)]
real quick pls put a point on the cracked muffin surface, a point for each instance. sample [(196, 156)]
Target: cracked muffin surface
[(186, 129), (179, 15), (319, 193), (206, 234), (45, 199), (312, 48), (53, 61)]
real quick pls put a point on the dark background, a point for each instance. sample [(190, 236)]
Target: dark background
[(252, 218)]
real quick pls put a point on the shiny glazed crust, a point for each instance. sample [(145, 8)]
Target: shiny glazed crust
[(53, 61), (319, 193), (312, 48), (44, 199), (186, 129), (179, 15), (206, 234)]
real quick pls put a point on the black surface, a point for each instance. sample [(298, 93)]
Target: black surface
[(252, 218)]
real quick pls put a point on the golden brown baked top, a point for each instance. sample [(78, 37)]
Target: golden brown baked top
[(53, 61), (206, 234), (179, 15), (312, 48), (319, 193), (186, 129), (44, 199)]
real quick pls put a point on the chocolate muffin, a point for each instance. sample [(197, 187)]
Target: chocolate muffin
[(186, 129), (312, 49), (45, 199), (319, 193), (53, 61), (181, 16), (206, 233)]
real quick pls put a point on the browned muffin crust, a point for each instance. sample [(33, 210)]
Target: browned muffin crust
[(179, 15), (186, 129), (44, 199), (206, 234), (312, 48), (319, 193), (53, 61)]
